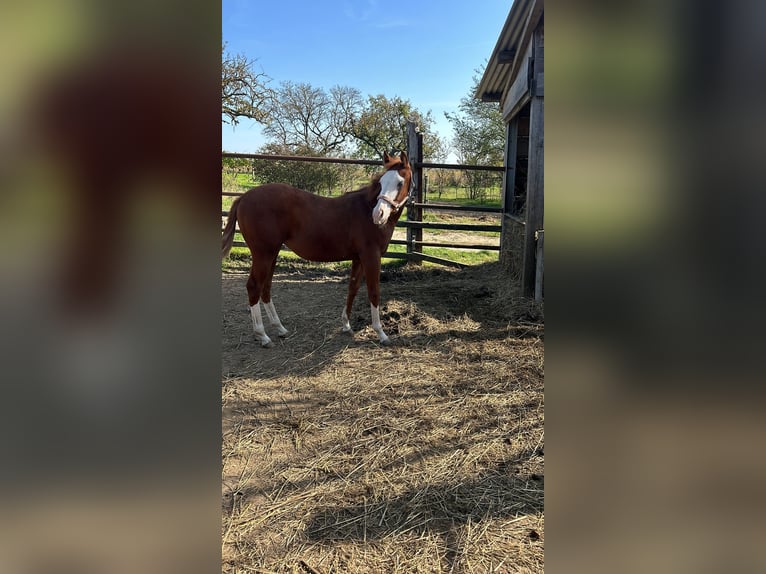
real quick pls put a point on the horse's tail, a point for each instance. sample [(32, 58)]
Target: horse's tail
[(228, 231)]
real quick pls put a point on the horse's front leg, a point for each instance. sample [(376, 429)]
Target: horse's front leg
[(372, 276), (255, 285), (353, 286), (268, 304)]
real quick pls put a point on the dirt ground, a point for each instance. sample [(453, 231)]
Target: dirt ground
[(340, 455)]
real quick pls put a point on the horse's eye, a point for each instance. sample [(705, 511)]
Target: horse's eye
[(399, 186)]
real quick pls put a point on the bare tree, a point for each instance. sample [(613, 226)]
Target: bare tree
[(308, 118), (243, 91)]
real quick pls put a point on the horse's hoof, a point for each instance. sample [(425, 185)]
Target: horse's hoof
[(386, 342), (267, 344), (349, 332), (283, 334)]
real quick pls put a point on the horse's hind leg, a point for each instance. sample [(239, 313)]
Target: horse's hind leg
[(268, 304), (255, 283), (353, 286)]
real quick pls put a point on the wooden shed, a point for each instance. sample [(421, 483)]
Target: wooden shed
[(514, 78)]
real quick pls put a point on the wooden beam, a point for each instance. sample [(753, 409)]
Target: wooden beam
[(491, 96), (519, 89), (448, 226), (530, 25), (414, 214), (534, 220), (535, 180), (540, 267), (514, 218), (301, 158), (506, 56), (478, 246), (460, 166), (419, 257), (447, 207), (509, 176)]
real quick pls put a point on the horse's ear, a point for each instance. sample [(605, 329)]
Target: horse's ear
[(403, 158), (386, 157)]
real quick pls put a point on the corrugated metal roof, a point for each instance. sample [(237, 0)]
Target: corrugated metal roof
[(498, 73)]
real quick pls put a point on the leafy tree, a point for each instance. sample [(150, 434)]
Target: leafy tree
[(302, 117), (382, 126), (311, 176), (479, 131), (243, 91)]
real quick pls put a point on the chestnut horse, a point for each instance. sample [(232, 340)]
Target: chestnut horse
[(356, 226)]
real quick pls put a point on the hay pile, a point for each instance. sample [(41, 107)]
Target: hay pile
[(343, 456)]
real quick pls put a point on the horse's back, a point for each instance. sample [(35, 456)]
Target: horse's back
[(280, 196), (316, 228), (272, 214)]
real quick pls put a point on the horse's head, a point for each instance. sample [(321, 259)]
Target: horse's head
[(395, 186)]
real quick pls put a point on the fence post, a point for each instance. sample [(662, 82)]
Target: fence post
[(415, 154)]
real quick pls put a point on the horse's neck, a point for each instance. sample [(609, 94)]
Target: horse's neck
[(394, 217), (388, 228)]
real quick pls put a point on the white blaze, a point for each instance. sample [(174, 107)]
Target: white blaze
[(390, 184)]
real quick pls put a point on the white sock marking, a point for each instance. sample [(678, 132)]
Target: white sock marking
[(376, 325), (346, 324), (271, 311), (260, 332)]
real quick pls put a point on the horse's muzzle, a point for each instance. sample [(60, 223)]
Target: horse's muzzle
[(379, 215)]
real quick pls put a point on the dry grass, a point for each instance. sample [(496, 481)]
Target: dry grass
[(343, 456)]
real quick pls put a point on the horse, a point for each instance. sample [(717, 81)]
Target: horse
[(356, 226)]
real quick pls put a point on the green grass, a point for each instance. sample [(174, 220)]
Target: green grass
[(464, 256), (460, 196), (245, 182)]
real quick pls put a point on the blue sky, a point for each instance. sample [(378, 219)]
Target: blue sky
[(423, 51)]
